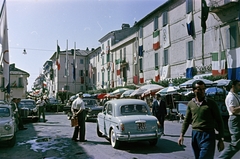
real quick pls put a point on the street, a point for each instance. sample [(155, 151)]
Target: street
[(52, 140)]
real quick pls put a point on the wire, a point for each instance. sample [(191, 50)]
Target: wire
[(30, 49)]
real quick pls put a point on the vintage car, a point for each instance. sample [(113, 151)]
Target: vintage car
[(8, 125), (28, 109), (91, 107), (125, 120)]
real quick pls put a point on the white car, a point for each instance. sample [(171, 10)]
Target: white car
[(125, 120), (8, 125)]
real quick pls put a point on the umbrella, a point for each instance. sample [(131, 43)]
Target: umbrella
[(127, 93), (188, 84), (146, 88), (222, 82), (119, 91), (168, 90), (101, 95), (214, 90)]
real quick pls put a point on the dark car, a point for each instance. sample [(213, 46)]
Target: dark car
[(91, 107), (28, 109)]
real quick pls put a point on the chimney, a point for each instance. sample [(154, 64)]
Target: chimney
[(125, 26)]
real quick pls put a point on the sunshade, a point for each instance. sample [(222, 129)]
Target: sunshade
[(168, 90), (146, 88), (214, 90), (221, 82), (127, 93), (119, 91), (188, 84)]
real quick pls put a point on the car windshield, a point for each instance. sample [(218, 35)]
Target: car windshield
[(134, 110), (27, 104), (90, 103), (4, 112)]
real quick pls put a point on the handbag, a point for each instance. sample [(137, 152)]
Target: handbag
[(74, 121)]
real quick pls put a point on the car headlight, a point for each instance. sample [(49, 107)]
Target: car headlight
[(7, 127)]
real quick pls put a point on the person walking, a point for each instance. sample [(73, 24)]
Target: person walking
[(204, 115), (159, 110), (78, 109), (232, 102), (41, 109), (17, 115)]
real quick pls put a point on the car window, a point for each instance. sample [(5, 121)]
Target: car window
[(90, 102), (109, 109), (134, 110), (28, 104), (4, 112)]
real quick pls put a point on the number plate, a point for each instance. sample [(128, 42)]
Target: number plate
[(141, 126)]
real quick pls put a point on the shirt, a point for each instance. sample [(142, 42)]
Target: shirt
[(78, 104), (204, 117), (232, 100)]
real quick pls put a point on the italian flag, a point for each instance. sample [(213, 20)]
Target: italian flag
[(57, 58), (233, 64), (157, 76), (141, 78), (218, 66), (156, 41), (118, 67)]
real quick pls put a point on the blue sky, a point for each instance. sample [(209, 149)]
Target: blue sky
[(37, 25)]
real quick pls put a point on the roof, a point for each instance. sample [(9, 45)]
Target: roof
[(14, 70)]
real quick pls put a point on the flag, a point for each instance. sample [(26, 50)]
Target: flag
[(74, 62), (233, 64), (190, 24), (90, 70), (118, 67), (189, 69), (156, 41), (141, 78), (204, 15), (57, 57), (157, 76), (4, 43), (166, 38), (164, 72), (218, 66), (140, 47), (66, 62)]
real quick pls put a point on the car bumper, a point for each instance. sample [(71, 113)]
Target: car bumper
[(136, 137), (6, 137)]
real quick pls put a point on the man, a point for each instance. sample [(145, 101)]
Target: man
[(78, 109), (17, 115), (41, 109), (203, 114), (159, 110), (232, 102)]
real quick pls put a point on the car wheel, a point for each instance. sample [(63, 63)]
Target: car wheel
[(12, 141), (153, 142), (113, 139), (98, 132)]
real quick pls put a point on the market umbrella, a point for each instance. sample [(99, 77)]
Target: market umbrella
[(221, 82), (188, 84), (211, 91), (168, 90), (119, 91), (127, 93), (146, 88)]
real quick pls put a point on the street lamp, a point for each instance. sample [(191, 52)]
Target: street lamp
[(24, 51)]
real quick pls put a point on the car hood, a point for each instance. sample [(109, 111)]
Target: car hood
[(94, 108), (4, 120)]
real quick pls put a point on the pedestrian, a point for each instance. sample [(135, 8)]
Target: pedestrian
[(15, 103), (41, 109), (204, 115), (232, 102), (78, 109), (159, 110)]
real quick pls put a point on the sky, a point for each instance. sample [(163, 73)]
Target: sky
[(38, 25)]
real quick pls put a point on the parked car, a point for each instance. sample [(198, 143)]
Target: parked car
[(91, 107), (28, 109), (8, 126), (53, 105), (125, 120)]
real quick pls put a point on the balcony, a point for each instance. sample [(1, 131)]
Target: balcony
[(217, 6)]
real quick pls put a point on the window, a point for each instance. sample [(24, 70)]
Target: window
[(81, 72), (103, 60), (124, 54), (102, 79), (102, 47), (155, 23), (233, 36), (108, 43), (2, 82), (156, 59), (109, 75), (165, 18), (190, 50), (121, 54), (98, 76), (140, 64), (20, 82), (189, 6), (66, 87), (109, 109), (140, 32), (86, 72), (81, 61), (108, 57), (165, 54), (98, 56)]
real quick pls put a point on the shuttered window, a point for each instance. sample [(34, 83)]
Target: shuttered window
[(140, 32), (155, 23), (189, 50), (189, 6), (165, 54), (140, 64), (165, 18), (156, 59)]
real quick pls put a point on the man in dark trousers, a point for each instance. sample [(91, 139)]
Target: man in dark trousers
[(159, 110), (78, 109)]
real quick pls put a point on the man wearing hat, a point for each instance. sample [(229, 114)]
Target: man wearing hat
[(159, 110), (78, 109)]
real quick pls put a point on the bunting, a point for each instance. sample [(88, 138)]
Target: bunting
[(233, 64), (218, 66), (156, 41), (204, 15), (118, 67), (189, 68), (57, 57), (166, 38), (157, 75), (141, 78), (190, 24), (140, 47)]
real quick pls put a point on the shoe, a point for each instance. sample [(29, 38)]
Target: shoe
[(75, 140), (83, 140)]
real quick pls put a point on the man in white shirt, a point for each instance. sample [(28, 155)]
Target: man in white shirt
[(41, 108), (78, 109), (232, 102)]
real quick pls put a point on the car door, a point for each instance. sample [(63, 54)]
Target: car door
[(108, 118), (101, 118)]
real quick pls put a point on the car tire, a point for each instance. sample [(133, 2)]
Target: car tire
[(12, 142), (98, 132), (153, 142), (113, 139)]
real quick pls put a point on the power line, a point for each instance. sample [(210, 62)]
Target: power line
[(30, 49)]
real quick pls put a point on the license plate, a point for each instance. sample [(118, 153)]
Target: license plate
[(141, 126)]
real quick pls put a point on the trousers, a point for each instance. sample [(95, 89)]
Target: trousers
[(79, 131)]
